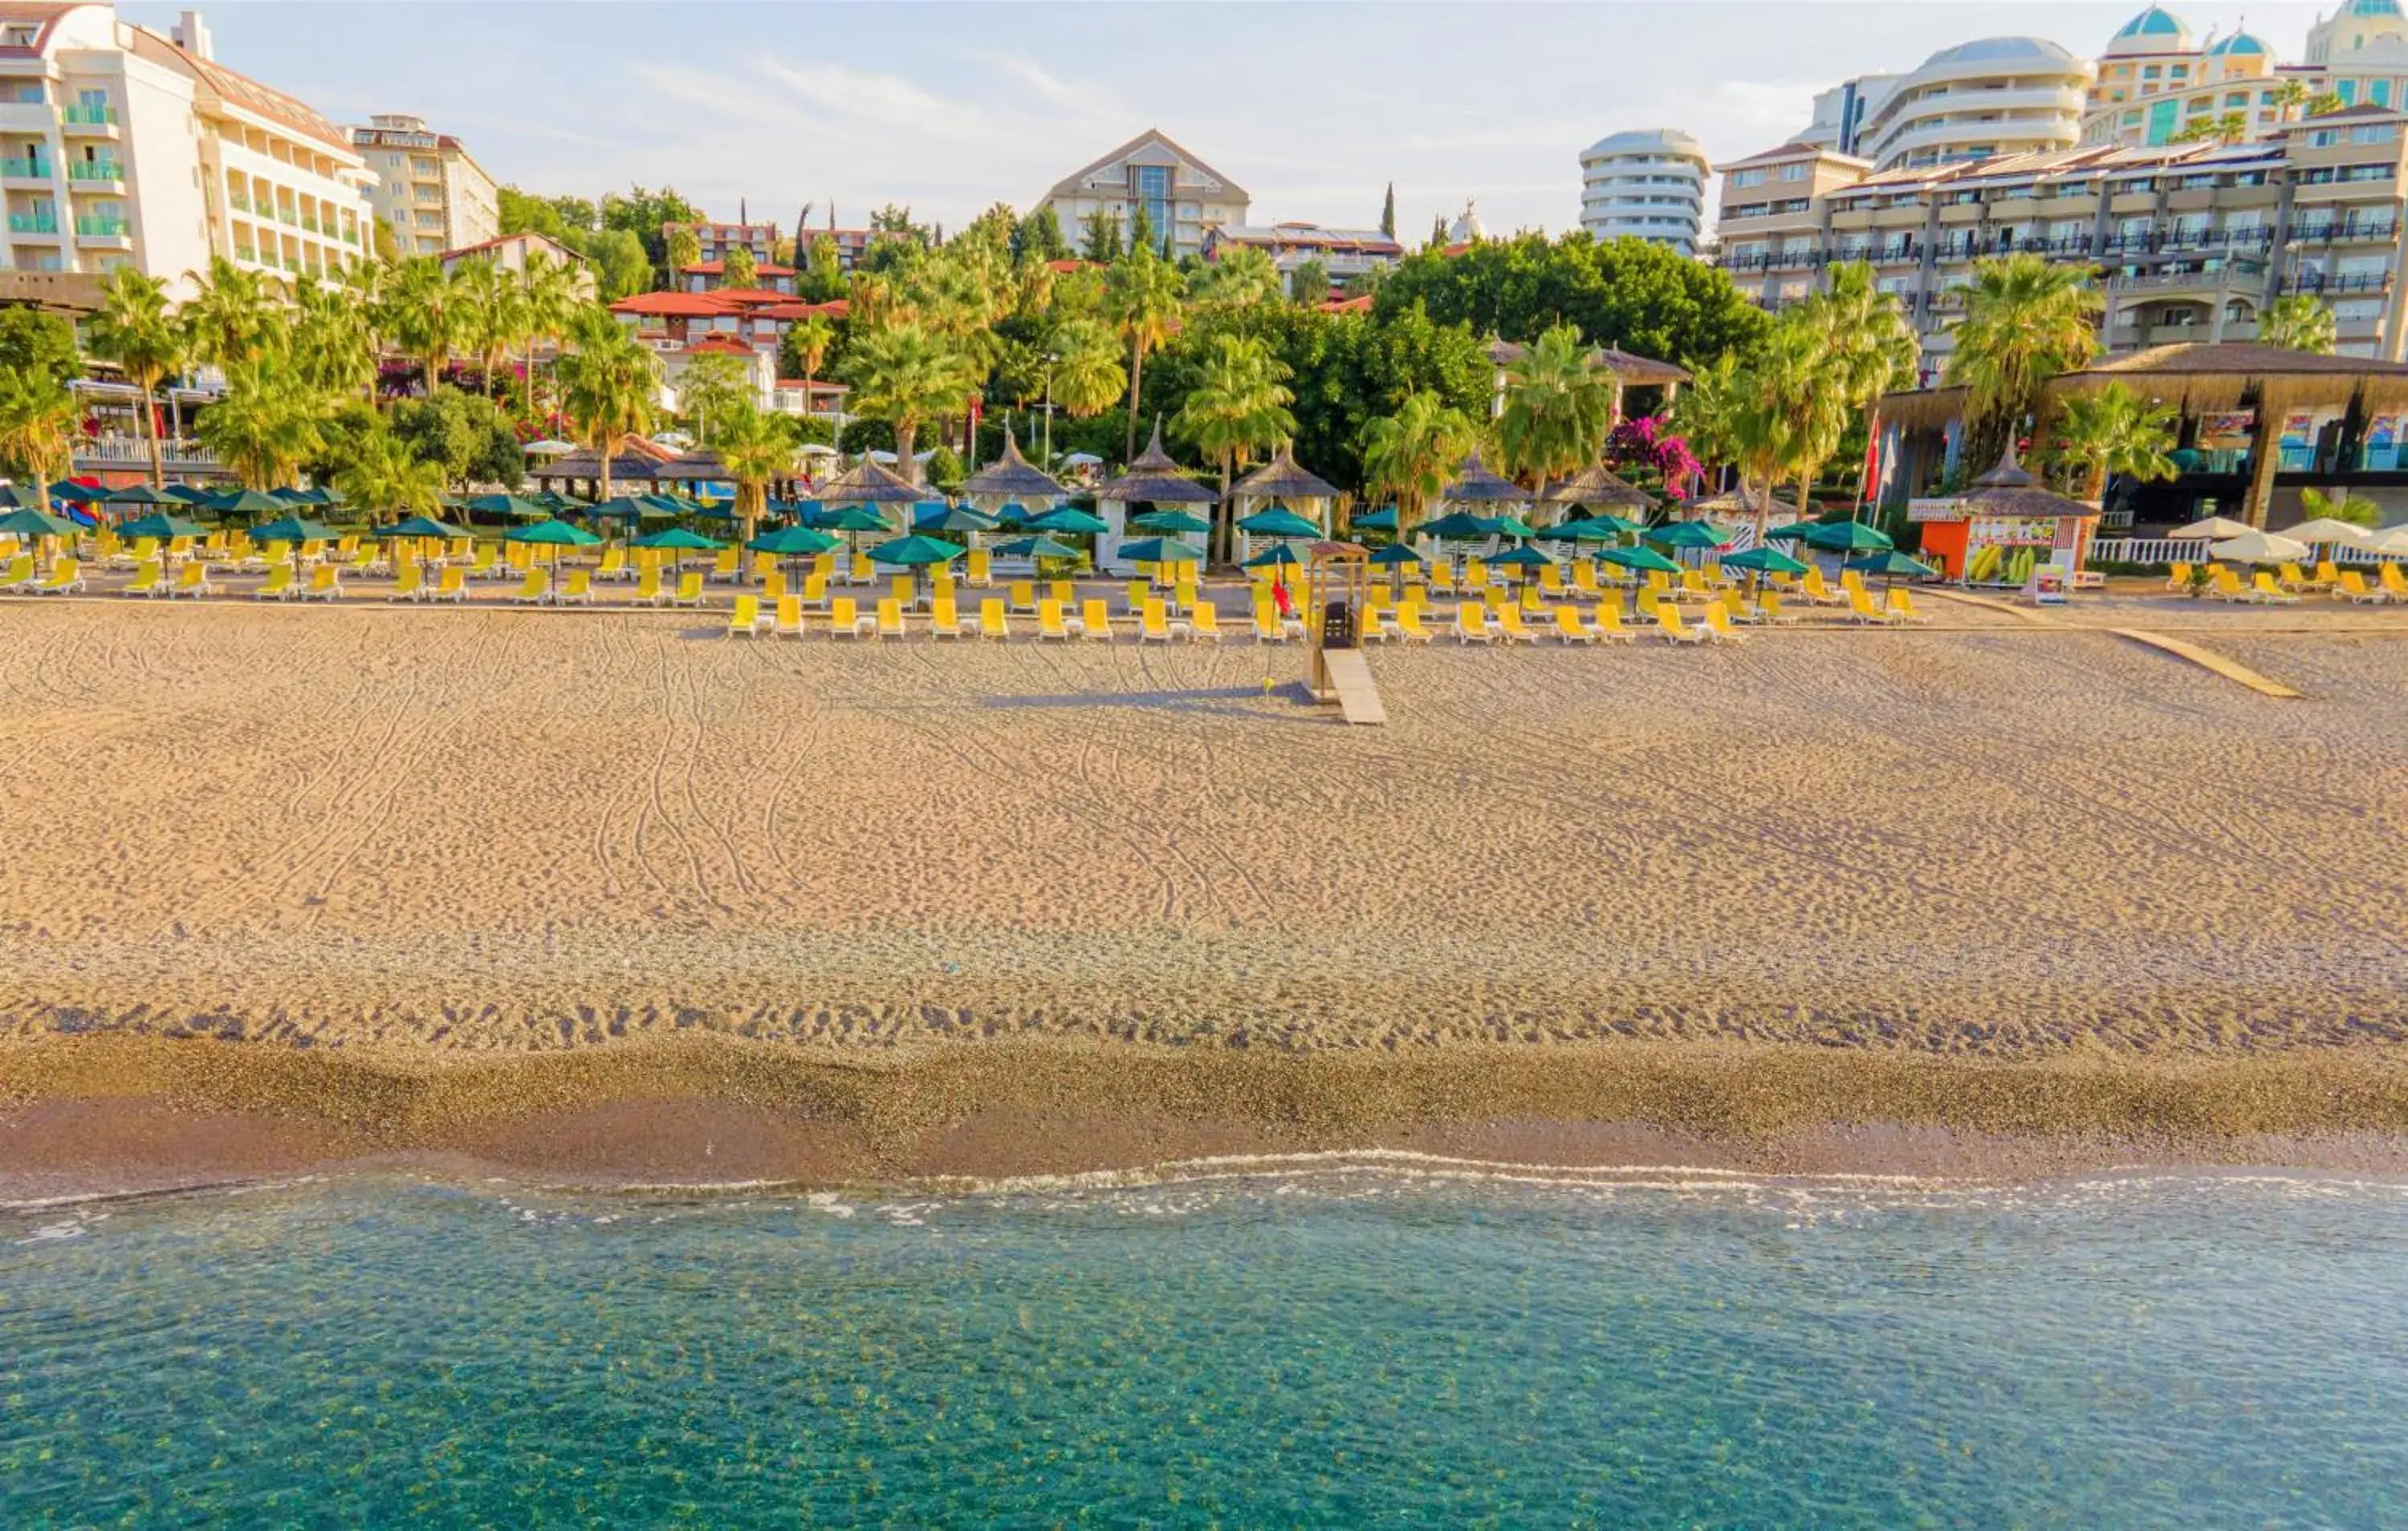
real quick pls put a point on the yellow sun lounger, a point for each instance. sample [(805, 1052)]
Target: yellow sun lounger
[(1471, 624), (1096, 618), (2394, 582), (191, 580), (19, 572), (689, 589), (944, 618), (579, 589), (815, 591), (1902, 605), (992, 622), (844, 617), (278, 586), (1861, 605), (1609, 625), (325, 584), (789, 620), (1409, 623), (67, 577), (2352, 586), (1153, 623), (1669, 623), (1049, 620), (890, 618), (1718, 624), (1024, 596), (2266, 590), (981, 571), (745, 620), (534, 589), (452, 585), (1204, 623), (1569, 628), (1509, 623), (146, 580)]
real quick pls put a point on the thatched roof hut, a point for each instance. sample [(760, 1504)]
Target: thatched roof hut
[(1599, 488), (1475, 486), (1153, 478), (585, 467), (871, 483), (700, 465), (1013, 477), (2010, 490), (1637, 371), (1283, 478)]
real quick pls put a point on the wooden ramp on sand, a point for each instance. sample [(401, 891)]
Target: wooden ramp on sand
[(1358, 699)]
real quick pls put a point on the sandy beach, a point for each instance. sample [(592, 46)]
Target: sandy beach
[(432, 837)]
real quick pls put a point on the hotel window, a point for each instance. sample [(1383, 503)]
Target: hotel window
[(2237, 98), (2379, 92), (1792, 172), (2377, 133), (2150, 72), (2348, 91), (1153, 187), (1747, 177)]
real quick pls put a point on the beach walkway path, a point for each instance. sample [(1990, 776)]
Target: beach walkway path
[(1358, 699)]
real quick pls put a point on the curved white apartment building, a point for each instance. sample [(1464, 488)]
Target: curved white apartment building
[(1649, 183), (1998, 95)]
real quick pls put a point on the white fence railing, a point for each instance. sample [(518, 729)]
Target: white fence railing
[(130, 451), (2158, 550)]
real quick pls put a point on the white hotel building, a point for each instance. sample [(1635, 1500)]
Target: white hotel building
[(120, 146), (1649, 184)]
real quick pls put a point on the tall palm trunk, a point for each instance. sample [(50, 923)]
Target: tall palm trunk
[(1228, 527), (1137, 385), (150, 438), (610, 449), (907, 432)]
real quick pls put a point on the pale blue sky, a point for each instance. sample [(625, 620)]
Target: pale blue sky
[(1312, 109)]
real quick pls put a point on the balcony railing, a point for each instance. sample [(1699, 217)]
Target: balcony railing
[(309, 222), (26, 168), (238, 201), (82, 115), (350, 236), (129, 451), (2343, 228), (103, 228), (285, 215), (2338, 281), (95, 170), (33, 222)]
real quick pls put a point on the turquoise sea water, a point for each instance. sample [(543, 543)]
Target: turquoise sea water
[(1339, 1347)]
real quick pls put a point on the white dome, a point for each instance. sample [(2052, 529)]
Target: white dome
[(1467, 229), (2002, 50), (1642, 140)]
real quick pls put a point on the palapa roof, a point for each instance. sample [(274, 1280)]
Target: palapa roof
[(2010, 490), (1152, 478), (1013, 477), (1597, 485), (694, 465), (2197, 377), (871, 483), (1475, 486), (588, 465), (1630, 366), (1729, 503), (1283, 478)]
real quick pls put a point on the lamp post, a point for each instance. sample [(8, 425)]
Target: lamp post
[(1052, 359)]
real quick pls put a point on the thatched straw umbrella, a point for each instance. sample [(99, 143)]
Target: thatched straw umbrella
[(1597, 488), (1011, 476), (1152, 477), (1282, 481)]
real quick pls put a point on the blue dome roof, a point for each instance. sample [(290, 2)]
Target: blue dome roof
[(2156, 21), (2374, 7), (2240, 42), (2000, 51)]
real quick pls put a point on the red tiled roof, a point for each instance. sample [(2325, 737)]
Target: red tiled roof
[(546, 240), (1348, 306), (673, 305), (718, 345), (817, 385), (794, 308), (713, 268), (752, 297), (1065, 267), (241, 91)]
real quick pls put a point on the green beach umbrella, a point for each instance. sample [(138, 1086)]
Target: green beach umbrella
[(1070, 521), (1175, 522), (1580, 531), (915, 552), (954, 517), (1397, 555), (75, 494), (1161, 550), (1891, 564), (678, 538), (1457, 526), (1764, 560), (249, 502), (551, 533), (517, 506), (159, 524), (1646, 560), (1688, 534), (139, 494), (293, 528), (1513, 526), (624, 508), (1275, 556), (1382, 520), (28, 522), (1849, 537), (854, 518), (1034, 547), (19, 497), (1794, 532), (422, 526), (1276, 522), (667, 504), (190, 494), (794, 542), (1521, 558)]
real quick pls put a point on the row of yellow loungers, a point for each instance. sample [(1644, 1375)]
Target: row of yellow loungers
[(2266, 589), (845, 617)]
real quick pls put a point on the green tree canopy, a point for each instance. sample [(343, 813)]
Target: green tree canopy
[(32, 341)]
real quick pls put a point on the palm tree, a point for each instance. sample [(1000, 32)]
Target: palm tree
[(904, 375), (607, 386), (1705, 410), (37, 423), (493, 314), (2025, 321), (2289, 96), (2113, 431), (755, 447), (133, 329), (811, 337), (2341, 505), (388, 480), (424, 315), (267, 424), (1142, 294), (1410, 457), (332, 347), (1558, 408), (1785, 417), (1087, 374), (1238, 405), (2298, 322), (236, 315), (549, 293), (1242, 276)]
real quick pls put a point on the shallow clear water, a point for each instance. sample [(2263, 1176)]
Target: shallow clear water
[(1334, 1348)]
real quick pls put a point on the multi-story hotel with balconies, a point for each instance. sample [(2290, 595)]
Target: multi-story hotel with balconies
[(120, 145), (1649, 184), (2191, 239), (1996, 96), (1184, 198), (430, 192)]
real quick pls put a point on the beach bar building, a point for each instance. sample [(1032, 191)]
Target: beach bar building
[(2256, 425)]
